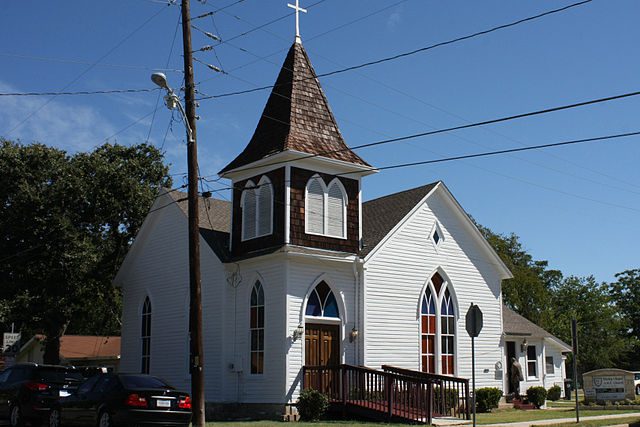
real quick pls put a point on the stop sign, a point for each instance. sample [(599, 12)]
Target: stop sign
[(474, 321)]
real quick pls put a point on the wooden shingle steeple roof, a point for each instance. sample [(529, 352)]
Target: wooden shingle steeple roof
[(296, 117)]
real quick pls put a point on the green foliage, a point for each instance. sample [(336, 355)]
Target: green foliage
[(537, 396), (625, 295), (487, 398), (66, 222), (554, 393), (312, 405)]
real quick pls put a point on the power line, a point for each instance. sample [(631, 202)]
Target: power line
[(82, 74), (81, 62), (412, 52), (455, 128), (82, 92)]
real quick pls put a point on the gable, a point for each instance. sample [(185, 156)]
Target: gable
[(383, 217)]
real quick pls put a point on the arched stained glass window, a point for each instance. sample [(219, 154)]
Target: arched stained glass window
[(256, 328), (428, 332), (322, 302), (146, 336), (448, 333)]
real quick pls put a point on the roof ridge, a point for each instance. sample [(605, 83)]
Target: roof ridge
[(404, 191)]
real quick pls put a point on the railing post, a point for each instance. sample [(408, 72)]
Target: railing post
[(389, 389), (304, 377), (429, 402), (467, 399), (345, 387)]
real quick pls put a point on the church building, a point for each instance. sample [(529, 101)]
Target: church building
[(298, 271)]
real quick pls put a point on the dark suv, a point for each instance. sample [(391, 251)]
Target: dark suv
[(27, 391)]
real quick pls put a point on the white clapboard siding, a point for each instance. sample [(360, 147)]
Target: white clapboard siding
[(395, 278), (158, 268), (314, 209), (336, 211), (239, 384)]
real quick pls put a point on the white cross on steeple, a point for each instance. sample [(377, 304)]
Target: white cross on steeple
[(298, 9)]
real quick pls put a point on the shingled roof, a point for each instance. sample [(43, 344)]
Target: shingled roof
[(517, 325), (296, 117), (379, 216)]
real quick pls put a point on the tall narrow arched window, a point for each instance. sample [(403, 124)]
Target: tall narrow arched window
[(322, 302), (146, 336), (265, 207), (248, 203), (336, 210), (448, 333), (256, 328), (428, 332), (314, 209)]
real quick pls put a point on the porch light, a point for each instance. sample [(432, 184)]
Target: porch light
[(524, 345), (354, 334), (298, 332)]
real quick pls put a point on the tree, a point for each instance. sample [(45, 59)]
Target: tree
[(625, 293), (66, 222), (589, 302), (529, 292)]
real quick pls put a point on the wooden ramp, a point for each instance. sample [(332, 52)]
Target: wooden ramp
[(392, 394)]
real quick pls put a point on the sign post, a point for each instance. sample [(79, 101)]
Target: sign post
[(473, 326), (574, 343)]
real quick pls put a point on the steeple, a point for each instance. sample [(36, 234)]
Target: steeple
[(297, 118)]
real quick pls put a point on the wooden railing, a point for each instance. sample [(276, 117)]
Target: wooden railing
[(450, 395), (392, 393)]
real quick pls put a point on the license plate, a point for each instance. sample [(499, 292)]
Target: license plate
[(163, 403), (64, 393)]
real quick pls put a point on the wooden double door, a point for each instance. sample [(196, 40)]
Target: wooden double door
[(321, 350), (321, 345)]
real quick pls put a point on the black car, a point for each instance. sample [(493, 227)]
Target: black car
[(108, 400), (28, 391)]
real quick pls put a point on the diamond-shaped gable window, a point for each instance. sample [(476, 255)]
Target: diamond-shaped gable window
[(437, 236)]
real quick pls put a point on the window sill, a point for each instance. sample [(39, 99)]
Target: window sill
[(324, 235), (243, 239)]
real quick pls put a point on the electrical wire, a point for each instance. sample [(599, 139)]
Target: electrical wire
[(83, 73), (82, 92), (409, 53)]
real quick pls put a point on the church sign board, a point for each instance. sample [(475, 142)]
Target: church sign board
[(608, 385)]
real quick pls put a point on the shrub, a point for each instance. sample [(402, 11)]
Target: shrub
[(537, 396), (312, 405), (487, 398), (554, 393)]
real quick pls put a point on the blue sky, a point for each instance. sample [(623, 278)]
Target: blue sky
[(576, 206)]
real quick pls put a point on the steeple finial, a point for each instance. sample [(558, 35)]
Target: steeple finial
[(298, 9)]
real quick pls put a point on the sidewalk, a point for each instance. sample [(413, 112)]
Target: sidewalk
[(565, 420)]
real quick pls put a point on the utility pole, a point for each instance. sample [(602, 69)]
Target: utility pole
[(195, 302), (574, 342)]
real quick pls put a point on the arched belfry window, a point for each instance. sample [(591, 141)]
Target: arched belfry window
[(437, 327), (256, 328), (257, 209), (326, 208), (322, 302), (145, 336)]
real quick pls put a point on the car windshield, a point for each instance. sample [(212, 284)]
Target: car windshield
[(637, 377), (58, 375), (143, 381)]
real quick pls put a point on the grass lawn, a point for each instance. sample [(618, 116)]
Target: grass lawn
[(281, 424), (514, 415), (632, 421)]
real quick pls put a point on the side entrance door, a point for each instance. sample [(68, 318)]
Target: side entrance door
[(511, 352), (322, 350)]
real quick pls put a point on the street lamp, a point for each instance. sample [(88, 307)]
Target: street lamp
[(195, 295), (172, 101)]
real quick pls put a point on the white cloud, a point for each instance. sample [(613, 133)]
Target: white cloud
[(76, 127), (394, 20)]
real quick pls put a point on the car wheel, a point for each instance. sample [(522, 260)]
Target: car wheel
[(105, 420), (54, 418), (15, 418)]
